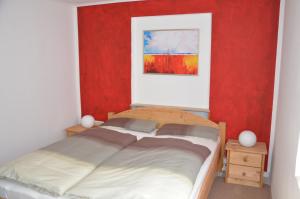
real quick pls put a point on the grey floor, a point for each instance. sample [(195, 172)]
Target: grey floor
[(222, 190)]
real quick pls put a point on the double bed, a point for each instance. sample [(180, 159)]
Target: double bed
[(131, 165)]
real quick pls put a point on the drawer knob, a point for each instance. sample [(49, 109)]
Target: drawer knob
[(245, 159), (243, 174)]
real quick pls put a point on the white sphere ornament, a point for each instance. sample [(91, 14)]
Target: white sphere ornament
[(247, 138), (87, 121)]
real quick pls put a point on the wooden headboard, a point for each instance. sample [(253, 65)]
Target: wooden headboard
[(174, 115)]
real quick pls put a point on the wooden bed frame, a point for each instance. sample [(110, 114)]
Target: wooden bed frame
[(175, 115)]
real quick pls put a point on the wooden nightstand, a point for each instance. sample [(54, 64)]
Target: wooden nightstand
[(76, 129), (245, 165)]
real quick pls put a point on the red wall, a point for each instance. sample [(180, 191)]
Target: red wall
[(244, 38)]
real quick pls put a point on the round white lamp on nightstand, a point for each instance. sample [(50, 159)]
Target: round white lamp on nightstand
[(247, 138), (87, 121)]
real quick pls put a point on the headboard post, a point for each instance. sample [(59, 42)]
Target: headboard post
[(222, 126), (110, 114)]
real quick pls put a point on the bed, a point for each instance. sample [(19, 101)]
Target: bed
[(175, 115), (205, 176)]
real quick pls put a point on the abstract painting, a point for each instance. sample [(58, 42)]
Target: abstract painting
[(171, 51)]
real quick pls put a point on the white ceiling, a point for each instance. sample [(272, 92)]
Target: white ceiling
[(83, 1), (93, 2)]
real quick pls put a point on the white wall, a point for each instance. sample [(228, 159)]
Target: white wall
[(284, 184), (157, 89), (38, 96)]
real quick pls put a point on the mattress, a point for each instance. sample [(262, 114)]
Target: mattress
[(14, 190)]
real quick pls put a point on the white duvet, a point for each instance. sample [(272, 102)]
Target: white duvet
[(57, 167), (186, 188), (54, 172), (142, 175)]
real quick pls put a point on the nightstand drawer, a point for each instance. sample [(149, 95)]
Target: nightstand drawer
[(247, 159), (245, 173)]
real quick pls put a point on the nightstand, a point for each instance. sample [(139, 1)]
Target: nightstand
[(76, 129), (245, 165)]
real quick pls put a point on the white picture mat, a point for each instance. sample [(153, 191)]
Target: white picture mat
[(171, 90)]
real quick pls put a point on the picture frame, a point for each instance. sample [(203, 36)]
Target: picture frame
[(181, 90)]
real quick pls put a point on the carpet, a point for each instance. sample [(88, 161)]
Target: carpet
[(222, 190)]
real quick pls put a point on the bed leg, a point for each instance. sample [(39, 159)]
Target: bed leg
[(222, 126)]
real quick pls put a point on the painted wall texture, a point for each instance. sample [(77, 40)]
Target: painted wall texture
[(37, 81), (284, 183), (244, 40)]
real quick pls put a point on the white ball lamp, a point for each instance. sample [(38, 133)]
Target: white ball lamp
[(87, 121), (247, 138)]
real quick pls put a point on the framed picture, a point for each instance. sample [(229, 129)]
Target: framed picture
[(171, 51), (170, 60)]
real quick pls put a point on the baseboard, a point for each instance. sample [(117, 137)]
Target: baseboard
[(267, 178)]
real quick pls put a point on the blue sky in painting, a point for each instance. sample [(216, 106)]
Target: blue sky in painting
[(147, 37), (171, 42)]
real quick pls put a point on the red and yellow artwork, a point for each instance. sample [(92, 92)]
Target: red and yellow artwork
[(171, 52), (171, 64)]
